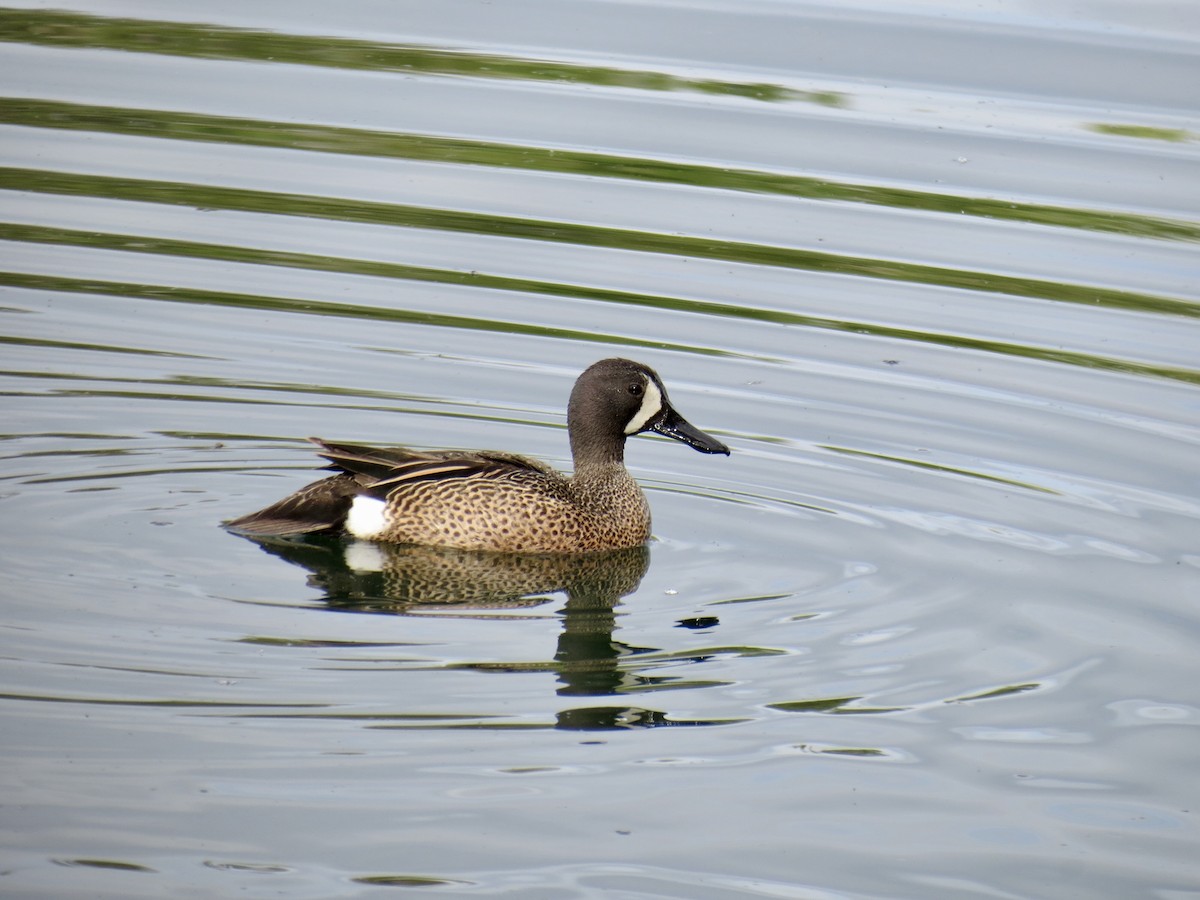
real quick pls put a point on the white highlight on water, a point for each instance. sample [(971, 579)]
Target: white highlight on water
[(651, 406), (366, 518), (364, 556)]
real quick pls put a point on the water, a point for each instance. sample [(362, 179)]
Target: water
[(930, 271)]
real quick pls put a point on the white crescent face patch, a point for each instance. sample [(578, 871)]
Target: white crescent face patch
[(651, 406)]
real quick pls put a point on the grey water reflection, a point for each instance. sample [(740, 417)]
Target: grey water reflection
[(588, 661), (358, 576), (931, 267)]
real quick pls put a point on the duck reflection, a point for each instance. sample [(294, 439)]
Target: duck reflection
[(408, 580)]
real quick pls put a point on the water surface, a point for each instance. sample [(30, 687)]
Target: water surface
[(930, 271)]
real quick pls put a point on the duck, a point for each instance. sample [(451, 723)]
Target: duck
[(493, 500)]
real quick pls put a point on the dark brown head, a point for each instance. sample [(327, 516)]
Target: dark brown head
[(616, 398)]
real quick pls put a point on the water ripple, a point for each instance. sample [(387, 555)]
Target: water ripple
[(179, 125)]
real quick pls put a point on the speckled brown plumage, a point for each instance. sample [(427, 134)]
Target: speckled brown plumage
[(489, 500)]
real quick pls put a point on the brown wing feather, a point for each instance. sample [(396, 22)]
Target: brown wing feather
[(376, 471), (319, 507), (392, 466)]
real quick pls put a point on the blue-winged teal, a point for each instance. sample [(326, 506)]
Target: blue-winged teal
[(488, 500)]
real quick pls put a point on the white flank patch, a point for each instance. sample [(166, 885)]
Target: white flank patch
[(651, 407), (364, 556), (367, 518)]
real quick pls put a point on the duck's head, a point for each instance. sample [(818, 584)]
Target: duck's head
[(616, 398)]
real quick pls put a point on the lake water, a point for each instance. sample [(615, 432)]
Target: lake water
[(929, 268)]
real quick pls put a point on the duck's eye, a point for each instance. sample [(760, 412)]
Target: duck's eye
[(636, 389)]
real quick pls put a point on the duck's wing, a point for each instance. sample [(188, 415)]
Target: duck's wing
[(377, 472), (323, 505), (381, 470), (319, 507)]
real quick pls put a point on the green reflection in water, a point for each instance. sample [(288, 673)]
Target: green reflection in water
[(1174, 135), (38, 234), (693, 653), (266, 641), (464, 222), (45, 343), (66, 29), (324, 308), (756, 599), (837, 705), (935, 467), (459, 151), (260, 868), (420, 718), (855, 752), (116, 864), (1007, 690), (411, 881), (85, 386), (176, 704)]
